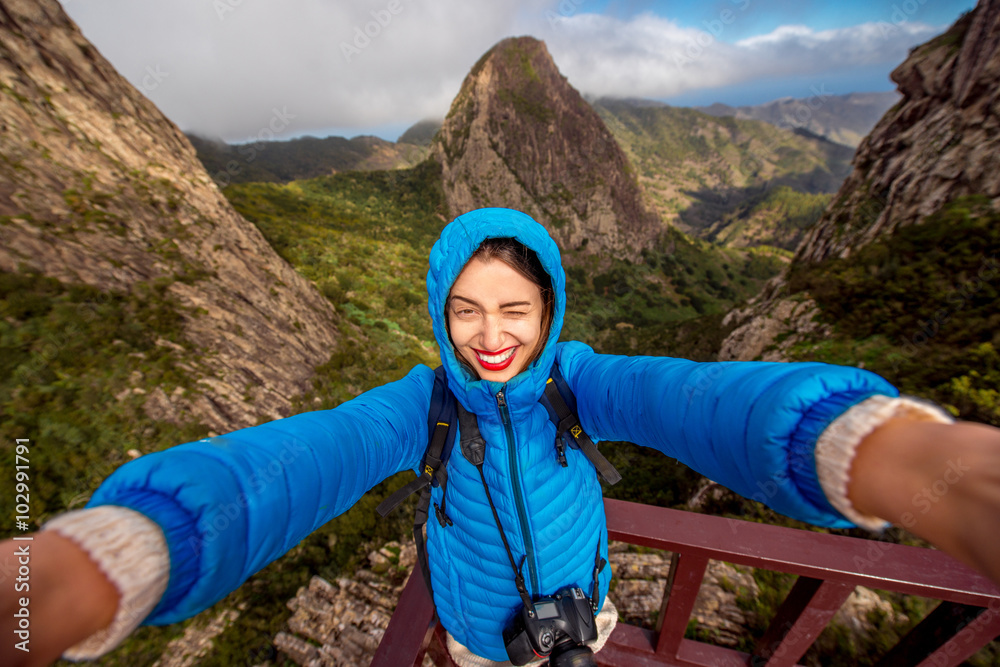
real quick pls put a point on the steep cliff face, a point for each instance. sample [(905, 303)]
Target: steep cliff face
[(518, 135), (98, 187), (939, 143)]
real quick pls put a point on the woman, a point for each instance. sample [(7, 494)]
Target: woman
[(171, 533)]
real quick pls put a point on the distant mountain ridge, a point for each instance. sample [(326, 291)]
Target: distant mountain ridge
[(844, 119), (712, 178), (306, 157)]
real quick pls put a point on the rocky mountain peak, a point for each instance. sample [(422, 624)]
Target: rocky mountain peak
[(98, 187), (519, 135)]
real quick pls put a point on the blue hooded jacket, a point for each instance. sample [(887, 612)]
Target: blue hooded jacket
[(230, 505)]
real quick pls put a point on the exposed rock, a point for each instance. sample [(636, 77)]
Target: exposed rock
[(196, 642), (770, 329), (518, 135), (340, 624), (856, 612), (97, 186)]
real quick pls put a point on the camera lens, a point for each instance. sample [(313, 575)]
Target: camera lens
[(572, 656)]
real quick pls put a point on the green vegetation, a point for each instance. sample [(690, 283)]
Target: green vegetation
[(679, 279), (775, 217), (75, 365), (702, 169), (919, 308), (362, 237), (524, 90)]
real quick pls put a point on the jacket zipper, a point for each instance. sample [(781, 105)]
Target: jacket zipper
[(522, 514)]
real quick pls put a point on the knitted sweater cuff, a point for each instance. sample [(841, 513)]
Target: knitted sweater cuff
[(130, 550), (839, 442)]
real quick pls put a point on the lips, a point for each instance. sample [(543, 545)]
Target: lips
[(496, 361)]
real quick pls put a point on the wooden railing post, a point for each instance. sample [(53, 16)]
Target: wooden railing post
[(686, 574), (947, 636), (806, 611), (404, 642)]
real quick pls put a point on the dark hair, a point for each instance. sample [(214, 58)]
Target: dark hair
[(522, 259)]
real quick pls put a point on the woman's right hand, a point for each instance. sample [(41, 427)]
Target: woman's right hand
[(67, 598)]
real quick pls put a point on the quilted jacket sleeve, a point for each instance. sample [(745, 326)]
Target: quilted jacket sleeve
[(751, 426), (230, 505)]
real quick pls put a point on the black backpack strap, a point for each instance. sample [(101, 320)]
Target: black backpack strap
[(441, 420), (568, 425)]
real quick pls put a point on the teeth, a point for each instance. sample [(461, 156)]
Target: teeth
[(497, 358)]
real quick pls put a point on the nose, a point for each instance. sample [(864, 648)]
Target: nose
[(493, 334)]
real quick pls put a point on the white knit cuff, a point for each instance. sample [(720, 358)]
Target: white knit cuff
[(839, 442), (129, 548)]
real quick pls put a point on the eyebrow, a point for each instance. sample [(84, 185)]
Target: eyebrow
[(462, 298), (510, 304)]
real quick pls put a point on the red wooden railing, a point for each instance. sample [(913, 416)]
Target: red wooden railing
[(828, 569)]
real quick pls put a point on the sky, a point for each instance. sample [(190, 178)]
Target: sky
[(250, 70)]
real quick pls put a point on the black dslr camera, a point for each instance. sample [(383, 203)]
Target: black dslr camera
[(560, 628)]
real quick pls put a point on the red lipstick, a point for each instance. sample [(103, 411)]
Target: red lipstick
[(495, 361)]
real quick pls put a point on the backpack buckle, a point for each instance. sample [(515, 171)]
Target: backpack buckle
[(442, 518)]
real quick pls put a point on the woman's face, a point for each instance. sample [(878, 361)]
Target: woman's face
[(495, 318)]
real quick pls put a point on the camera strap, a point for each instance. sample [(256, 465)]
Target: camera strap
[(474, 449)]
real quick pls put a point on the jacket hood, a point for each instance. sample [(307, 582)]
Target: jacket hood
[(450, 253)]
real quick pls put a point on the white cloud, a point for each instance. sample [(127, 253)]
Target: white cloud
[(647, 56), (230, 63), (225, 67)]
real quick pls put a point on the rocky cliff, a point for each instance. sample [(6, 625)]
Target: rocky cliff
[(98, 187), (518, 135), (939, 143)]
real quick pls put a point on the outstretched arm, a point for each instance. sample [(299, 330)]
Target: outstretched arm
[(750, 426), (789, 436), (219, 509)]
